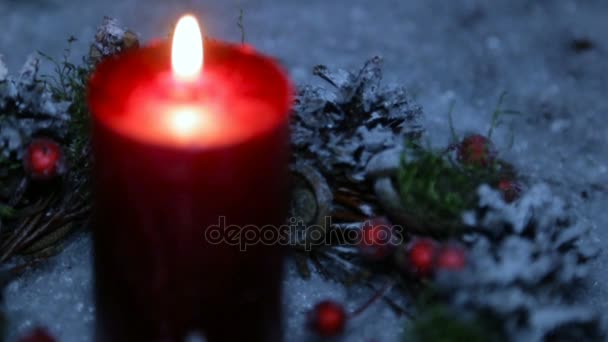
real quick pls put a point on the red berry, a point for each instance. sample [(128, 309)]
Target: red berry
[(43, 159), (421, 256), (476, 150), (327, 319), (451, 258), (511, 190), (37, 335), (376, 239)]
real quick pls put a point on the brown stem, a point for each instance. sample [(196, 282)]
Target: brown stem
[(347, 216), (19, 192), (320, 267), (347, 191), (19, 269), (18, 237), (39, 231), (77, 213), (398, 309), (31, 210), (348, 200), (377, 296)]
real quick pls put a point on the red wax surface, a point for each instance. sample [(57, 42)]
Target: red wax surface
[(238, 95), (160, 185)]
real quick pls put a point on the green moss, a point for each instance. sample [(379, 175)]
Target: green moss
[(435, 189), (438, 324), (6, 211), (431, 185)]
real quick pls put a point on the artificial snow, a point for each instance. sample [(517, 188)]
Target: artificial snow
[(465, 51), (59, 296)]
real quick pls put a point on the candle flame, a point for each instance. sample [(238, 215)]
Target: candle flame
[(187, 49)]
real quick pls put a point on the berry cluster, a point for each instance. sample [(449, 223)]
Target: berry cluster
[(477, 151), (424, 256)]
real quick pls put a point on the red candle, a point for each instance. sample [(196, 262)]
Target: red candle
[(180, 147)]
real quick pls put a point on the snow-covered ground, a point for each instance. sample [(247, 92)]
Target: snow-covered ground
[(467, 51)]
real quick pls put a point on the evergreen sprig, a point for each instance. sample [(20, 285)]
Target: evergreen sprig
[(68, 83)]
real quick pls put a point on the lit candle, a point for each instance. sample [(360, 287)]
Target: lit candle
[(178, 145)]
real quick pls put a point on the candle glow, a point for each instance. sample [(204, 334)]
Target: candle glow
[(185, 122), (187, 50)]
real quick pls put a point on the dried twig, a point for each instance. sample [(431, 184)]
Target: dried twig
[(378, 295)]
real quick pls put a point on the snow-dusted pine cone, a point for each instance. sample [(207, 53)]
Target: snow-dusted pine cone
[(340, 129)]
